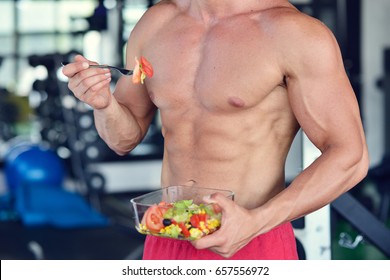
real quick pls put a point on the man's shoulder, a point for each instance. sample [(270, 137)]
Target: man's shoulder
[(301, 40), (294, 31), (163, 10), (291, 22), (154, 18)]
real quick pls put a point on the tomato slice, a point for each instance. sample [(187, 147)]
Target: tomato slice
[(202, 218), (153, 218), (194, 220), (146, 67), (197, 218), (163, 206), (184, 230)]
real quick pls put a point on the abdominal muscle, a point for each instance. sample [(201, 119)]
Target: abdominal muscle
[(222, 151)]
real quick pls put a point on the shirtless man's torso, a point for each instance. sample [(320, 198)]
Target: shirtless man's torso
[(233, 84)]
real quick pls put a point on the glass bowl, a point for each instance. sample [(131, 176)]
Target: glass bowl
[(178, 212)]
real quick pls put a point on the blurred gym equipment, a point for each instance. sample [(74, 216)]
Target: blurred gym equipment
[(64, 126), (35, 178)]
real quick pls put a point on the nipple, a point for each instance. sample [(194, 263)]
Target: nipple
[(236, 102)]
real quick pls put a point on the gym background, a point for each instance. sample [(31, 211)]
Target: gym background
[(65, 195)]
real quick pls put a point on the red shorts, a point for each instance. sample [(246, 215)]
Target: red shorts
[(277, 244)]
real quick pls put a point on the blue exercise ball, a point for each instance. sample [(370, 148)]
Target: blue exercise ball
[(31, 164)]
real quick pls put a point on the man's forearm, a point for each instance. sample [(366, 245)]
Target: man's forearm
[(332, 174), (118, 127)]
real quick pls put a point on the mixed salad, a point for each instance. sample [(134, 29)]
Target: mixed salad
[(181, 220)]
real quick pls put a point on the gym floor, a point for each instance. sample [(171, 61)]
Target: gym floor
[(118, 241)]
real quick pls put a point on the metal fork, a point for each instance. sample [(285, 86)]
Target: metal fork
[(123, 71)]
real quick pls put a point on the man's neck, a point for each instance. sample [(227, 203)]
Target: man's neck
[(210, 10)]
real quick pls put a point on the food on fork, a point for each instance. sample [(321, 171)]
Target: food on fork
[(142, 69)]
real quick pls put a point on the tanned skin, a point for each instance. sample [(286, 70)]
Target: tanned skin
[(234, 81)]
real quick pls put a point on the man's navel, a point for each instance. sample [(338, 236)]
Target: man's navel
[(236, 102)]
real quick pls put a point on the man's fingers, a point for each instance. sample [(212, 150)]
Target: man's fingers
[(79, 64), (209, 241), (91, 83), (80, 58), (220, 201), (75, 67)]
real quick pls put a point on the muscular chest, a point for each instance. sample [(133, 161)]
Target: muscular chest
[(225, 67)]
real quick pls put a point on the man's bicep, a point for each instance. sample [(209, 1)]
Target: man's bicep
[(326, 109), (135, 99), (320, 93)]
